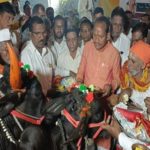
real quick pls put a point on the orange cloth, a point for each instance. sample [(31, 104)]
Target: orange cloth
[(99, 67), (1, 69), (15, 73), (142, 51), (126, 80)]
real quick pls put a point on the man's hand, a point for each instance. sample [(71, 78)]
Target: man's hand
[(124, 92), (113, 129), (107, 90), (147, 102), (113, 100), (23, 20), (72, 74)]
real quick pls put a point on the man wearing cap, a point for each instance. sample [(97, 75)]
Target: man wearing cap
[(135, 74), (7, 14), (135, 84), (8, 61), (15, 80)]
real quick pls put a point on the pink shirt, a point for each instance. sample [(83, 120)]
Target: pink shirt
[(99, 67)]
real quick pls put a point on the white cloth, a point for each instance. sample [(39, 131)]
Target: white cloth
[(14, 38), (126, 142), (5, 35), (130, 34), (101, 148), (130, 127), (123, 46), (85, 8), (82, 46), (1, 76), (57, 48), (41, 65), (66, 63), (138, 97)]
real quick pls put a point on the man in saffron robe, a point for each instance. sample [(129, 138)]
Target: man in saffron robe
[(135, 84)]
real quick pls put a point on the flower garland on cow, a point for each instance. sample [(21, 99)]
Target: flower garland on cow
[(82, 115)]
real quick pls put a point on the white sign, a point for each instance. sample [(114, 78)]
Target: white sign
[(142, 1), (142, 6)]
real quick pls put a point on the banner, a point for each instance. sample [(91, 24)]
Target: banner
[(142, 6)]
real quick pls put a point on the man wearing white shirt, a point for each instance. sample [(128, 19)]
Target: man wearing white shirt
[(85, 9), (68, 62), (59, 45), (86, 28), (37, 55), (119, 39)]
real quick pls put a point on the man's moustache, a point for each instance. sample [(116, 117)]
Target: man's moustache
[(41, 41)]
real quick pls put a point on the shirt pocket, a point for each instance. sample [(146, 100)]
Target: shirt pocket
[(105, 71)]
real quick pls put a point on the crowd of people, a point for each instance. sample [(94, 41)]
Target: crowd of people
[(113, 54)]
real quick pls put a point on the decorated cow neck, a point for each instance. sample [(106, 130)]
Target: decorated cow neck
[(80, 116), (29, 103)]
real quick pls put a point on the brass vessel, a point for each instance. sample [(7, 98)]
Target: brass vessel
[(139, 147)]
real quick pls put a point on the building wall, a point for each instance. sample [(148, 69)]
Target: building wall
[(108, 6), (46, 3)]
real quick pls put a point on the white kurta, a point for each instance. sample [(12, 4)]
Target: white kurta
[(122, 44), (66, 63), (126, 142), (41, 65), (82, 46), (139, 97), (57, 48)]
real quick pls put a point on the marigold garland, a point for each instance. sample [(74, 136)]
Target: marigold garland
[(139, 85), (89, 98)]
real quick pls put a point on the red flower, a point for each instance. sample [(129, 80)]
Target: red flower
[(30, 74), (57, 80), (20, 64), (90, 97)]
